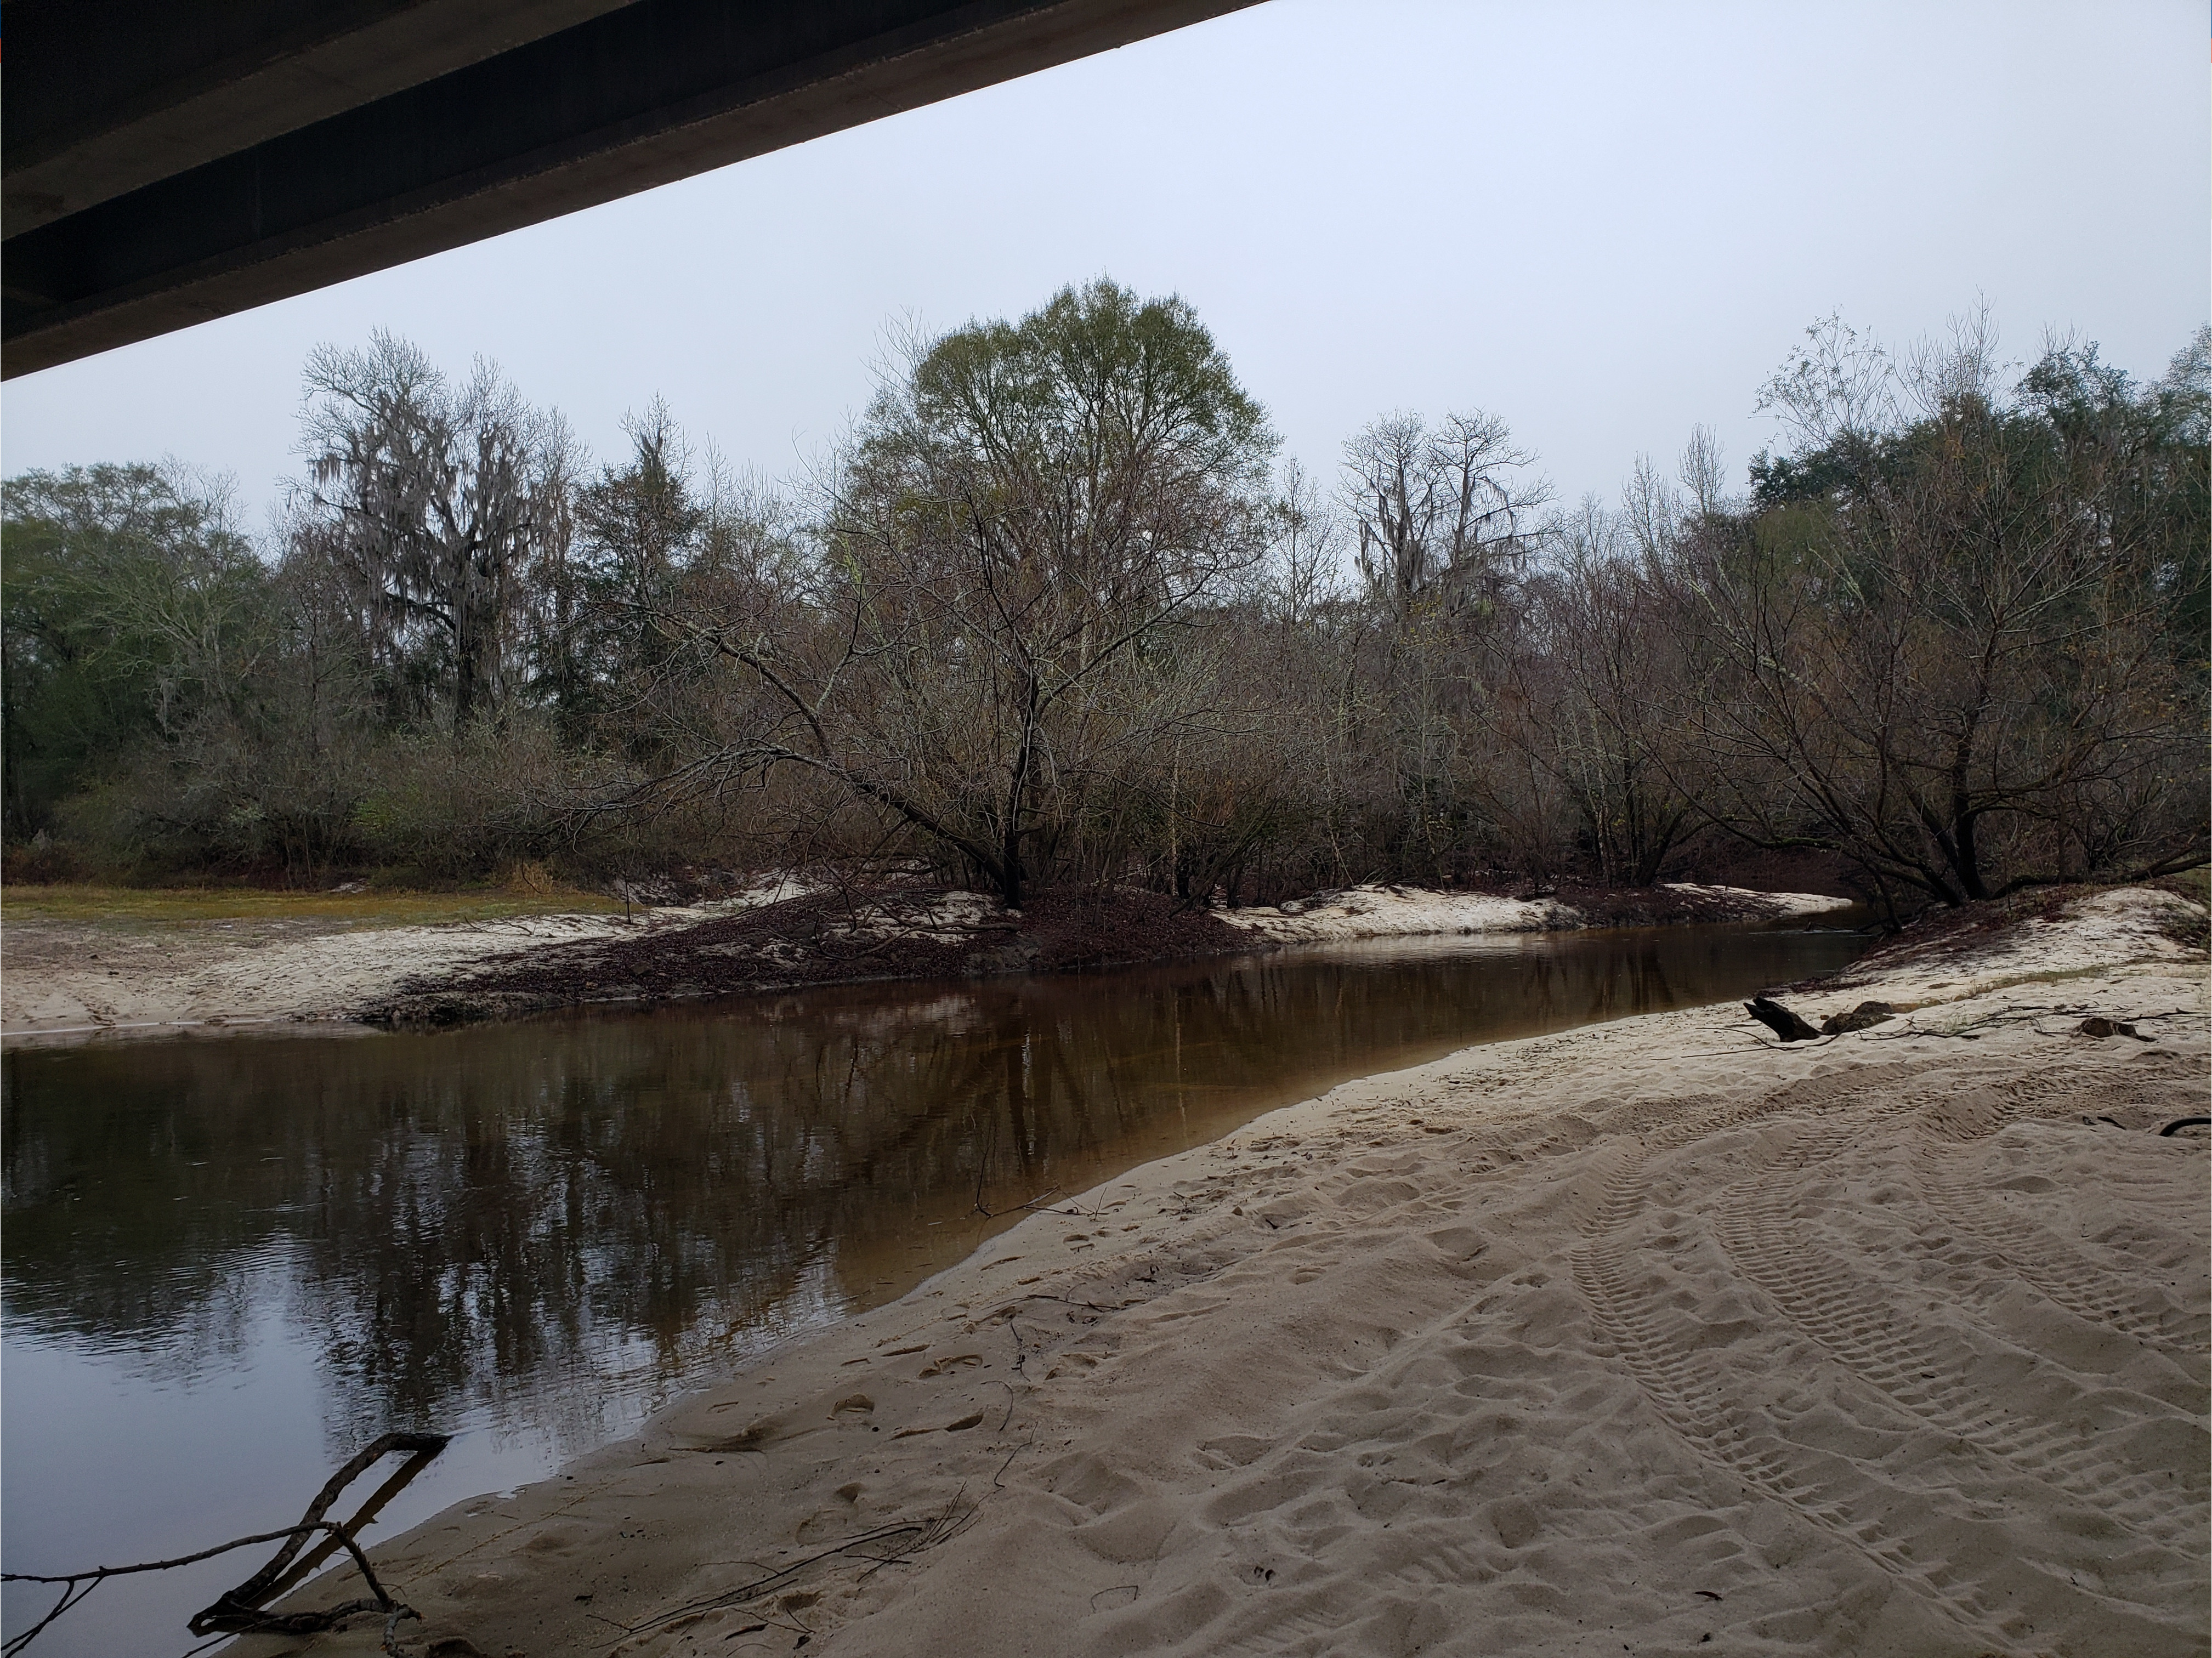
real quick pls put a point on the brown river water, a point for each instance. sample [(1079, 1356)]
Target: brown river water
[(229, 1263)]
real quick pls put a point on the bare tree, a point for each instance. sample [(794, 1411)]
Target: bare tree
[(1603, 682), (1439, 512), (1441, 519)]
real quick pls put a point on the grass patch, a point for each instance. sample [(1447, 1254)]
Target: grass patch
[(158, 905), (2049, 976)]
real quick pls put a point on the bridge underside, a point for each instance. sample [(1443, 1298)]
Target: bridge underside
[(166, 161)]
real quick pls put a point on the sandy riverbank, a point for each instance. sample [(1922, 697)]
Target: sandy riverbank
[(1653, 1336), (74, 976), (63, 980)]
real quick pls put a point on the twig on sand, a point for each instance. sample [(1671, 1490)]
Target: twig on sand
[(771, 1580), (1759, 1045), (998, 1478), (926, 1534), (1070, 1301), (2011, 1013), (1045, 1196)]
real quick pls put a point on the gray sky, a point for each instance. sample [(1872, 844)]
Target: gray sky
[(1606, 222)]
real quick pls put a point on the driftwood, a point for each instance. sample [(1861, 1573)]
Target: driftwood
[(2095, 1025), (1780, 1020), (239, 1611), (1861, 1018)]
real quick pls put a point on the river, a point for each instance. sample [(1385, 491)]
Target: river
[(230, 1262)]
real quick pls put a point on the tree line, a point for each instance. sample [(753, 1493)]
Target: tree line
[(1055, 613)]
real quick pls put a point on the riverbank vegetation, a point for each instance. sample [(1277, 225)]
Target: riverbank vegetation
[(1055, 615)]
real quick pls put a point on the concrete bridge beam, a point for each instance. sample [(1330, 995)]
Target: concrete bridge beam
[(165, 163)]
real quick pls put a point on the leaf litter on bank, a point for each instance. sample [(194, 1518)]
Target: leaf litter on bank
[(822, 938)]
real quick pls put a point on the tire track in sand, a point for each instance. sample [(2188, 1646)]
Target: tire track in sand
[(2061, 1273), (1829, 1490), (1922, 1371)]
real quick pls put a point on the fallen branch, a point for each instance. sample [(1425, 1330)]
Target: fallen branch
[(92, 1579), (239, 1611), (2011, 1013)]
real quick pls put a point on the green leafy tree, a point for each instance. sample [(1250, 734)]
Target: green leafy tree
[(1945, 642), (1003, 554), (132, 607)]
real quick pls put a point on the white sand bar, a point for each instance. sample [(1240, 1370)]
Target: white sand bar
[(1611, 1340), (1387, 912)]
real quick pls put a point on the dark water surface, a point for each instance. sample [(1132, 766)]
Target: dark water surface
[(229, 1263)]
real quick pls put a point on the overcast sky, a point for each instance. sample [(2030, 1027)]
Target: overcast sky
[(1606, 222)]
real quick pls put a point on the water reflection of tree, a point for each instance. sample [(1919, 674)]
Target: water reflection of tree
[(547, 1207)]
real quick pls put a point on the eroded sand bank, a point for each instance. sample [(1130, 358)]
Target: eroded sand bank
[(1653, 1337)]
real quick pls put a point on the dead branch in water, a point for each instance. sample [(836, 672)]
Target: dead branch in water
[(93, 1577), (238, 1612), (1045, 1196)]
